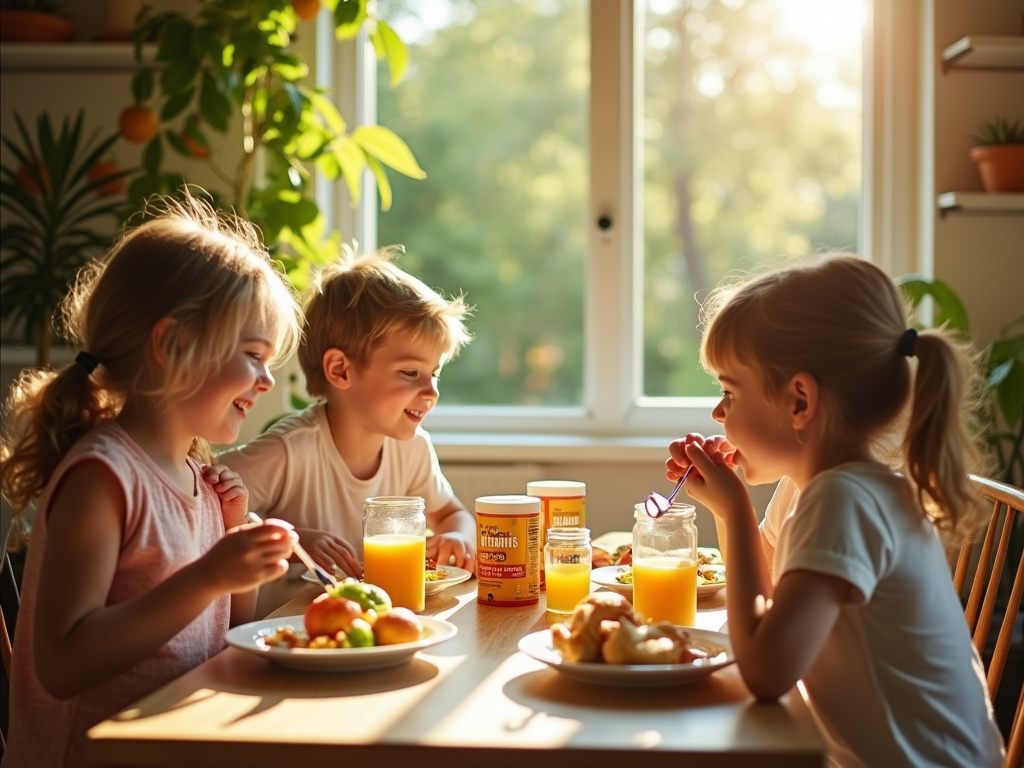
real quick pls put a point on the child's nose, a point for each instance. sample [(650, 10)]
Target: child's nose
[(430, 390), (265, 381), (719, 413)]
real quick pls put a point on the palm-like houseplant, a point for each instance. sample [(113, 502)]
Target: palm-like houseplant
[(52, 199)]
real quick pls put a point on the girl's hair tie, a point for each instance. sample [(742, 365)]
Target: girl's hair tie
[(907, 342), (87, 361)]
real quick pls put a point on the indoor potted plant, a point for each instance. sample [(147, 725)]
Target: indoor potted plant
[(59, 186), (34, 21), (999, 153)]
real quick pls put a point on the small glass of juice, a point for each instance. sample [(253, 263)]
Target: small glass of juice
[(567, 564), (395, 548), (665, 565)]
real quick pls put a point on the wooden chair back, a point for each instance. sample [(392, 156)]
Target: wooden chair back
[(1007, 509)]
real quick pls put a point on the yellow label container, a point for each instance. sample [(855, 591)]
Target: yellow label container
[(563, 504), (508, 550)]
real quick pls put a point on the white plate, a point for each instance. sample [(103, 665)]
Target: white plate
[(607, 577), (538, 646), (249, 637), (455, 576)]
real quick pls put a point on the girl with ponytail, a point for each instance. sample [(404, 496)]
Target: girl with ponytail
[(846, 585)]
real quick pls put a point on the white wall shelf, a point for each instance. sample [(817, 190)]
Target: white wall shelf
[(982, 202), (71, 57), (996, 52)]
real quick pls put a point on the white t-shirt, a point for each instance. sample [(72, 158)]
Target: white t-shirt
[(898, 682), (294, 472)]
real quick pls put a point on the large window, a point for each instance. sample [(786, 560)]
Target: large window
[(591, 167)]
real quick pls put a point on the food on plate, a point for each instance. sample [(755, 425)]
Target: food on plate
[(603, 557), (605, 628), (328, 615), (709, 556), (351, 615), (369, 596), (433, 572), (399, 625), (705, 575)]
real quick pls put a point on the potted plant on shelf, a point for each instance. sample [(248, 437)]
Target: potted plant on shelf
[(34, 21), (232, 62), (999, 153), (60, 187)]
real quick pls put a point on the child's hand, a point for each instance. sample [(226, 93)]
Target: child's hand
[(714, 482), (234, 496), (328, 550), (453, 549), (679, 462), (249, 555)]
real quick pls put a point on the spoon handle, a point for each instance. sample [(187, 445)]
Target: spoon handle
[(679, 483), (325, 578)]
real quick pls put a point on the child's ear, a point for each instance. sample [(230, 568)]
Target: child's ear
[(158, 340), (803, 399), (337, 368)]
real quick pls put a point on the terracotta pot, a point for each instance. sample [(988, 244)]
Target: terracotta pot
[(1001, 167), (18, 26)]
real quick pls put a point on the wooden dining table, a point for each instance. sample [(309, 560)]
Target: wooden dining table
[(473, 698)]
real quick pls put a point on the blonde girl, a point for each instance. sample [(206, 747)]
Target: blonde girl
[(819, 368), (130, 578)]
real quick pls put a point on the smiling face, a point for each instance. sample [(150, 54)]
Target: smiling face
[(393, 393), (756, 426), (217, 411)]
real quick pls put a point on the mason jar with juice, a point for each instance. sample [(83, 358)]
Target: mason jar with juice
[(395, 548), (567, 562), (665, 564)]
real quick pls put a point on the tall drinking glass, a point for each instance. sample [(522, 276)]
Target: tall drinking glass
[(395, 548)]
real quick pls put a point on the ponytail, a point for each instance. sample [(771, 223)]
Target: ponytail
[(46, 413), (938, 448)]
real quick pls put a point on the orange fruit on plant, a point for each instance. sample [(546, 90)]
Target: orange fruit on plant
[(306, 9), (138, 124), (28, 182), (106, 168), (199, 152)]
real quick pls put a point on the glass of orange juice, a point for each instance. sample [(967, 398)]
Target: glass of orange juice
[(395, 548), (665, 565), (567, 563)]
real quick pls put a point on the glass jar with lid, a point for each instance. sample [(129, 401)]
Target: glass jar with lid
[(567, 563), (665, 564)]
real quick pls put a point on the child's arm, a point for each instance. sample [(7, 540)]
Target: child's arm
[(776, 636), (454, 535), (234, 504), (80, 641)]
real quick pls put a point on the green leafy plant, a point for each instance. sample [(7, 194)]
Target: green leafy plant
[(52, 198), (999, 131), (1001, 412), (233, 62)]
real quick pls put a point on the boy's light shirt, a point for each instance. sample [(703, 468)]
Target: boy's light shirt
[(294, 472)]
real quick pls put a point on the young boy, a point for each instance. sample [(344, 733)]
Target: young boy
[(374, 343)]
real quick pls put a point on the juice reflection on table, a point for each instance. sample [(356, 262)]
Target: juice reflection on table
[(665, 589), (567, 584), (395, 562)]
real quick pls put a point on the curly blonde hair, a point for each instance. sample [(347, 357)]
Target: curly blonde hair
[(207, 271)]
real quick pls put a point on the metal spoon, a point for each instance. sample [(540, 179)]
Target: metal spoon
[(325, 578), (657, 505)]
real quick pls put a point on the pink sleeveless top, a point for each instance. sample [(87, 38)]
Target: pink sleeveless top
[(164, 529)]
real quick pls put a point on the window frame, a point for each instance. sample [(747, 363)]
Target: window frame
[(615, 416)]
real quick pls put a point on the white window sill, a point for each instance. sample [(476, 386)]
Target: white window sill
[(494, 447)]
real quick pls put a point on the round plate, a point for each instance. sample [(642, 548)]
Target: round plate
[(249, 637), (538, 646), (608, 577), (455, 576)]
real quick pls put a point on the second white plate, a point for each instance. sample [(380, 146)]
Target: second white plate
[(608, 577), (538, 646), (454, 576)]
